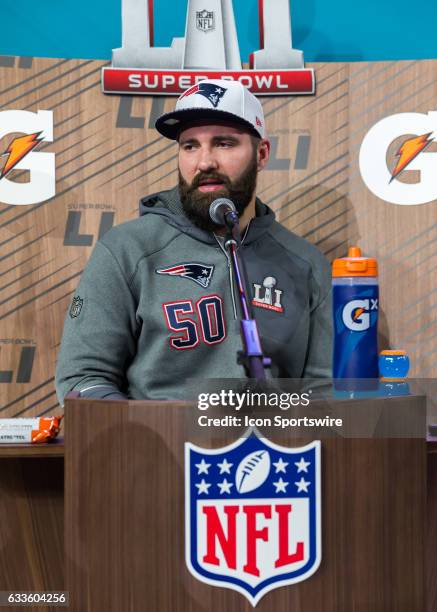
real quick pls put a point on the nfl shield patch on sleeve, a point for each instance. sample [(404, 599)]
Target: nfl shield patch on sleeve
[(76, 306), (253, 514)]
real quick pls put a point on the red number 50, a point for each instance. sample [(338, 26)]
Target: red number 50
[(209, 311)]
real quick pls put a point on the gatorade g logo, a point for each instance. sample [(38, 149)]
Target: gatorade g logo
[(412, 153), (19, 155), (356, 315)]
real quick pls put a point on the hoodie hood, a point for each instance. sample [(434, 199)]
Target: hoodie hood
[(168, 205)]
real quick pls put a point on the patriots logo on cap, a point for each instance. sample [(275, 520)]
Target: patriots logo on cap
[(198, 272), (213, 93)]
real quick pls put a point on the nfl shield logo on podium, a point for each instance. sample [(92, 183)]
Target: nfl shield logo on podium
[(253, 514)]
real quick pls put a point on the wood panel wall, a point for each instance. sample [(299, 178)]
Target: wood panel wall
[(108, 155)]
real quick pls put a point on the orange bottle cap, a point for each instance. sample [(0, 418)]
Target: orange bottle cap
[(354, 264), (393, 352)]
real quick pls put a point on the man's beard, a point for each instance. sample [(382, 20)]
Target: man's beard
[(196, 203)]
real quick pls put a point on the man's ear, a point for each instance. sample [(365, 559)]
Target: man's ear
[(263, 154)]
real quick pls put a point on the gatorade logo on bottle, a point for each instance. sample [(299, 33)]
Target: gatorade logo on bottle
[(356, 315)]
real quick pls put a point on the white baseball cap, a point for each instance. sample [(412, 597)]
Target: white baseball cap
[(215, 100)]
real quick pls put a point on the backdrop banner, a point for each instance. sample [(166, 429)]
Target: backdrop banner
[(353, 164)]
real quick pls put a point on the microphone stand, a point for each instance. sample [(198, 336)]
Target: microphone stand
[(251, 357)]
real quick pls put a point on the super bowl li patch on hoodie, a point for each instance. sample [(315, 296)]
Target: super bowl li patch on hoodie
[(268, 296), (198, 272)]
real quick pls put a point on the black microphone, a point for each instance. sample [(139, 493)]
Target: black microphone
[(223, 212)]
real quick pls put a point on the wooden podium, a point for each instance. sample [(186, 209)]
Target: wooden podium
[(124, 517)]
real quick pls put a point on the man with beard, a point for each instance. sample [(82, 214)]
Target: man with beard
[(157, 304)]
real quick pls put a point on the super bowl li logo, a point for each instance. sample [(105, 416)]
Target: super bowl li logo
[(253, 514), (209, 49)]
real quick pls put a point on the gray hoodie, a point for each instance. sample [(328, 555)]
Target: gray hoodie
[(156, 305)]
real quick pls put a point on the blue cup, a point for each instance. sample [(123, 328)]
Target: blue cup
[(393, 364)]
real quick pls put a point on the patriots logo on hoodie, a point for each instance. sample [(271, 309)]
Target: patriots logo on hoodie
[(213, 93), (197, 272)]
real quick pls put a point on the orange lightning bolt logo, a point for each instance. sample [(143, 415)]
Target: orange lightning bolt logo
[(408, 151), (18, 149), (358, 313)]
